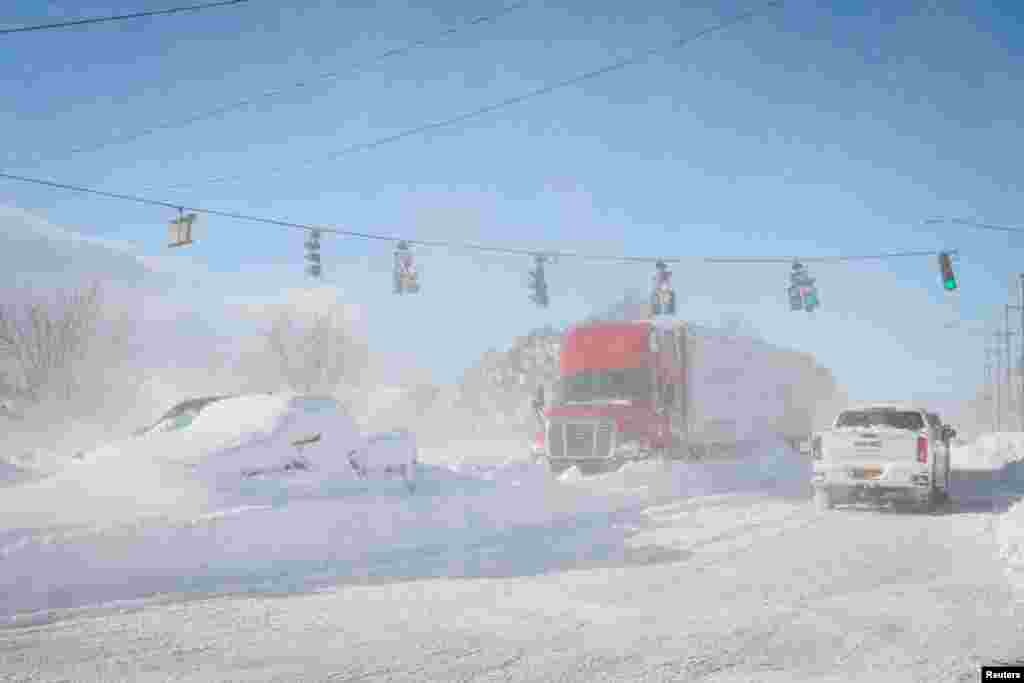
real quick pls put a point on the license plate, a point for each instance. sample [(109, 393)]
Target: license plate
[(867, 444), (867, 473)]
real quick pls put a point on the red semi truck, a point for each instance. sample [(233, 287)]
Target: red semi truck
[(660, 387), (622, 394)]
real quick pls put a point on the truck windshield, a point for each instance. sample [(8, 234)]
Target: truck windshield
[(606, 385), (897, 419)]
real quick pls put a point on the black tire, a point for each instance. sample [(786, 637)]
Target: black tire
[(949, 457), (555, 468), (930, 504), (823, 499)]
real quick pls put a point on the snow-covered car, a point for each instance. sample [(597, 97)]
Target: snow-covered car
[(391, 452), (222, 439), (880, 452)]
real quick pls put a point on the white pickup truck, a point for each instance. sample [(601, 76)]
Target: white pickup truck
[(882, 452)]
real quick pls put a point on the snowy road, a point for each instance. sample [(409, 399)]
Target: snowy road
[(734, 587)]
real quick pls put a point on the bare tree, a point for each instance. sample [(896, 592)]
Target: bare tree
[(43, 345), (316, 352)]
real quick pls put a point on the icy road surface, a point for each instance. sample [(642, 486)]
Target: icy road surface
[(742, 586)]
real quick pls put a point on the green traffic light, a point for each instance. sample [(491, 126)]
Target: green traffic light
[(949, 284)]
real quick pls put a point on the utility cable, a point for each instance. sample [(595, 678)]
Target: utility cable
[(471, 246), (354, 68), (973, 224), (477, 113), (120, 17), (830, 259)]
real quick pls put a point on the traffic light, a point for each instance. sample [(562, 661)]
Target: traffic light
[(663, 297), (946, 269), (313, 253), (406, 275), (181, 229), (803, 294), (538, 283)]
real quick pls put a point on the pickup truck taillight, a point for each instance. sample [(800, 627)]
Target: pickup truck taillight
[(922, 450)]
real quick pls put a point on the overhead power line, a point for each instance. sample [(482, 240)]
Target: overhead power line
[(830, 259), (477, 113), (973, 224), (120, 17), (470, 246), (238, 105)]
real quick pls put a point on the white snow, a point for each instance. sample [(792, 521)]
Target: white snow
[(1000, 456), (171, 512), (989, 451), (725, 587), (1010, 533)]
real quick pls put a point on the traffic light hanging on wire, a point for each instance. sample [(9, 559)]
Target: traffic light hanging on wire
[(181, 229), (406, 275), (538, 283), (313, 254), (803, 294), (663, 297), (946, 270)]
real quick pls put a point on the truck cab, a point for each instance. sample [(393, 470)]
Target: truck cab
[(620, 395)]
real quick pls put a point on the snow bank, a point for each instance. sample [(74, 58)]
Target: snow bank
[(1010, 527), (989, 451), (1010, 533), (473, 518), (181, 474)]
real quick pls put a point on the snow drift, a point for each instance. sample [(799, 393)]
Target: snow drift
[(989, 451), (470, 519), (1003, 454)]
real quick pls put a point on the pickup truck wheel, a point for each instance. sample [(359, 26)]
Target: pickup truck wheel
[(553, 468), (822, 499), (930, 504)]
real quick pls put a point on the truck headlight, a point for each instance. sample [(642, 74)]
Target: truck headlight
[(628, 449)]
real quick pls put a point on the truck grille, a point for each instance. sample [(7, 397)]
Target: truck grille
[(580, 440)]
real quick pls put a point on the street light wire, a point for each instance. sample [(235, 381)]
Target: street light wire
[(354, 68), (505, 103), (119, 17), (973, 224), (469, 246)]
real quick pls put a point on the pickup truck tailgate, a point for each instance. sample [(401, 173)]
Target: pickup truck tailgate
[(870, 445)]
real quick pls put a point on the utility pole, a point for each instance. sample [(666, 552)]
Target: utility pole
[(1014, 389), (1009, 366), (989, 395), (1020, 366), (997, 381), (1002, 376)]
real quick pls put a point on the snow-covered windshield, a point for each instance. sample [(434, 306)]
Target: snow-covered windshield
[(181, 415), (895, 419), (605, 385)]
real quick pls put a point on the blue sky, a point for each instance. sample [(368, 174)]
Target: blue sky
[(817, 129)]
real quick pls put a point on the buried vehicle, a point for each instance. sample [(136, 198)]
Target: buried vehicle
[(656, 388), (882, 452), (267, 436)]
